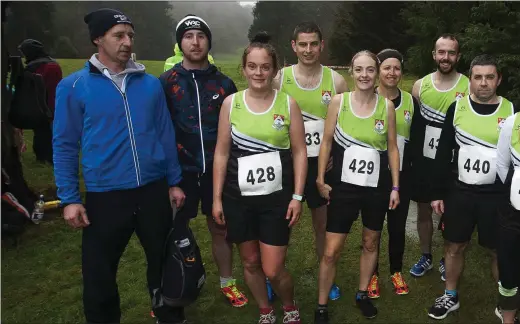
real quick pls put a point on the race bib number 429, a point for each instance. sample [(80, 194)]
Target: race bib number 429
[(260, 174), (361, 166), (313, 136)]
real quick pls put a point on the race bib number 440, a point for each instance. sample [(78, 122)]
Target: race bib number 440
[(313, 136), (260, 174), (477, 165), (361, 166), (431, 141)]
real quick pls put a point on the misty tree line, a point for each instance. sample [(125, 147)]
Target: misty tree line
[(411, 27), (60, 26)]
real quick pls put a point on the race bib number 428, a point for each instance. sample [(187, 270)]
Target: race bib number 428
[(361, 166), (260, 174), (313, 136)]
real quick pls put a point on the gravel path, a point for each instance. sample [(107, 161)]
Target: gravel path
[(411, 222)]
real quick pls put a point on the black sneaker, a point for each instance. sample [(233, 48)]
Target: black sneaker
[(498, 313), (321, 316), (367, 308), (443, 306)]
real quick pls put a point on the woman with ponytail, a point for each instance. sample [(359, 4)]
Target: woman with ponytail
[(259, 175)]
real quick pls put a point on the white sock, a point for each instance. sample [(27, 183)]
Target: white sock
[(224, 281)]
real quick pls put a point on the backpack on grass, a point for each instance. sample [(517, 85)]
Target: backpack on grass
[(183, 272)]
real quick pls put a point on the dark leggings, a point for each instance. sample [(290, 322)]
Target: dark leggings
[(508, 255), (396, 226)]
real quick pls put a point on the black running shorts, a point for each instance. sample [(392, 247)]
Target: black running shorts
[(248, 221), (463, 210), (312, 194), (344, 209), (197, 188)]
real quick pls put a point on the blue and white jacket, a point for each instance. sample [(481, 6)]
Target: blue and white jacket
[(124, 132)]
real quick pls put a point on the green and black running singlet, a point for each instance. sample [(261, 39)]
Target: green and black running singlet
[(477, 137), (313, 103), (260, 162), (360, 144), (434, 105), (403, 122)]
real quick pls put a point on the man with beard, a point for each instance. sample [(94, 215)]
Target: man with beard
[(39, 62), (435, 92), (312, 85), (116, 115), (195, 90), (471, 131)]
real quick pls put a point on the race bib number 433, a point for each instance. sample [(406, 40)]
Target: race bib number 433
[(313, 136), (360, 166), (477, 165), (260, 174), (431, 141)]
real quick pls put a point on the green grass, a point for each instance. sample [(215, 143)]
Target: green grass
[(41, 277)]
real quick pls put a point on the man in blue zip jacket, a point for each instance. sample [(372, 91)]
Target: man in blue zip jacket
[(117, 115), (195, 90)]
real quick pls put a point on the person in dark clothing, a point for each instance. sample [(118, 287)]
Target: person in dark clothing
[(468, 149), (39, 62), (12, 142), (116, 114), (195, 90), (406, 111)]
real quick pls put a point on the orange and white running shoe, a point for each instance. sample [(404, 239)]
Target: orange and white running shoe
[(400, 286), (234, 296), (373, 287)]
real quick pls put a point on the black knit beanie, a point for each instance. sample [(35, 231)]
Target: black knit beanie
[(101, 20), (32, 50), (191, 22)]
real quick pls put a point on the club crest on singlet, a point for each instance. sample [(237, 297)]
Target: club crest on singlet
[(407, 116), (326, 97), (279, 121), (459, 95), (501, 122), (379, 126)]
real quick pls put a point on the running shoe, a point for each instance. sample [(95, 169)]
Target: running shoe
[(334, 293), (498, 313), (267, 317), (400, 286), (367, 308), (234, 296), (442, 270), (373, 287), (443, 306), (321, 316), (291, 315), (421, 267)]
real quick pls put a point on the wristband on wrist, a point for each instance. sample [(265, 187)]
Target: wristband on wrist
[(297, 197), (395, 188)]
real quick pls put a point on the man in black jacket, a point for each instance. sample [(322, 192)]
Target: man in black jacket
[(195, 90)]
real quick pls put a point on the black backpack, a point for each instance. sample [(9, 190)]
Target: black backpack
[(29, 109), (183, 274)]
